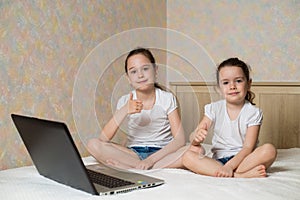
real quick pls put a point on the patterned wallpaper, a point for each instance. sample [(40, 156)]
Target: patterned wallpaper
[(265, 34), (43, 44)]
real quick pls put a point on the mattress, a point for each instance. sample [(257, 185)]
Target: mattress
[(283, 182)]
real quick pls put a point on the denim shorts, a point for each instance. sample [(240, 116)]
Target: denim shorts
[(144, 152), (225, 159)]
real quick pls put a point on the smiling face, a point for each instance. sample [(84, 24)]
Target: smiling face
[(141, 72), (233, 84)]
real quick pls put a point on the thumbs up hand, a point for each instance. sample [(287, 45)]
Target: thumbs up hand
[(134, 106), (200, 134)]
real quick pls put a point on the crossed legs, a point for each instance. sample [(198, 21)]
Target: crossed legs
[(174, 160), (112, 154), (254, 165), (122, 157)]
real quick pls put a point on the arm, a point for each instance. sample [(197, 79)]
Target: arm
[(110, 129), (113, 124), (177, 142), (248, 147)]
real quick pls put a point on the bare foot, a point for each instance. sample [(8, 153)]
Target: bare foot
[(256, 172)]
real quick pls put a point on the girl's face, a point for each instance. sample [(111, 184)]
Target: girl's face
[(233, 84), (141, 73)]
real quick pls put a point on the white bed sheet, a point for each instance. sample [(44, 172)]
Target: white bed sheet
[(283, 182)]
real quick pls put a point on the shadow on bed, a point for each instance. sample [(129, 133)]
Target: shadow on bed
[(277, 169)]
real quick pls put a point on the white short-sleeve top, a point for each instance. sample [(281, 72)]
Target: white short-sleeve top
[(229, 135), (150, 127)]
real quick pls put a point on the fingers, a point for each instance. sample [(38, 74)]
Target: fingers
[(144, 165), (134, 106), (200, 135), (138, 106), (224, 172)]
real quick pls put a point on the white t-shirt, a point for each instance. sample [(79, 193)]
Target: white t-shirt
[(229, 135), (150, 127)]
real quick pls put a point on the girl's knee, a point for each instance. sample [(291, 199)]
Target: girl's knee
[(92, 144), (197, 149), (269, 151), (187, 157)]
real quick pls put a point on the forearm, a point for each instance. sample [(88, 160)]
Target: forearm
[(112, 126), (173, 146), (238, 158), (178, 137), (192, 136), (248, 147)]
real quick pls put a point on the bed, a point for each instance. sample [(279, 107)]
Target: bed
[(283, 182)]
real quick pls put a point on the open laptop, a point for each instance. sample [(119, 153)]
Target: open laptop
[(55, 156)]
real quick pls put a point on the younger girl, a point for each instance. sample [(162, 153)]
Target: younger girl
[(154, 126), (236, 123)]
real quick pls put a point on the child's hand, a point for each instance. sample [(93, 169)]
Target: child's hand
[(224, 171), (145, 164), (134, 106), (199, 135)]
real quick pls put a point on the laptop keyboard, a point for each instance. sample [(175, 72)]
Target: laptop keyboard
[(106, 180)]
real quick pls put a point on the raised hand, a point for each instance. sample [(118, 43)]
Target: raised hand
[(200, 134), (134, 106)]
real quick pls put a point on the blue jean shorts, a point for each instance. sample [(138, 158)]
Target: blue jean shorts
[(144, 152), (225, 159)]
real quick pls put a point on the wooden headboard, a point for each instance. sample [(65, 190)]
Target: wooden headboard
[(279, 101)]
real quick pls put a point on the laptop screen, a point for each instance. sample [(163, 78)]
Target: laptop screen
[(53, 151)]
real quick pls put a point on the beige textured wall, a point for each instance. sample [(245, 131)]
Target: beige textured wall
[(43, 44), (265, 34)]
